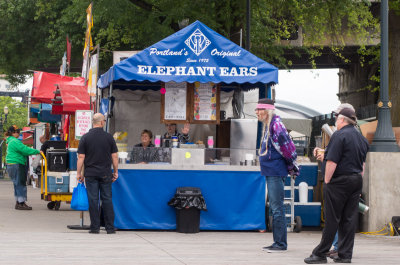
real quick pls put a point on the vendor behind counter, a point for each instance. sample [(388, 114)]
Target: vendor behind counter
[(144, 152), (172, 131)]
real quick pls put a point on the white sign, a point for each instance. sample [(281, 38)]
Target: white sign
[(83, 122), (175, 101), (119, 56)]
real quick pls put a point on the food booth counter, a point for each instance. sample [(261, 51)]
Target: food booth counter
[(235, 196)]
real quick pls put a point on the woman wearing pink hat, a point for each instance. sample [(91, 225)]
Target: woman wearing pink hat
[(277, 160)]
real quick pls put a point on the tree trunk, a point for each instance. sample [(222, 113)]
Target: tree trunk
[(394, 67)]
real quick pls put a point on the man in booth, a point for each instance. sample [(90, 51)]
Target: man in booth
[(183, 137)]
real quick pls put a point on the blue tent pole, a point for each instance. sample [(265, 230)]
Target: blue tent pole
[(269, 94), (109, 108)]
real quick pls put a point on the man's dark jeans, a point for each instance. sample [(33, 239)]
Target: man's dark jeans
[(96, 186)]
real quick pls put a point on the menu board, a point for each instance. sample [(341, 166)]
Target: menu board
[(175, 101), (205, 102)]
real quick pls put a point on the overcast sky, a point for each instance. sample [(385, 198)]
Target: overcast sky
[(315, 89)]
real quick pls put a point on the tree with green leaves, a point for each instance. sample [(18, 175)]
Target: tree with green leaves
[(136, 24), (17, 113)]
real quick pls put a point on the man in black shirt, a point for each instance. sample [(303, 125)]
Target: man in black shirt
[(343, 167), (97, 151)]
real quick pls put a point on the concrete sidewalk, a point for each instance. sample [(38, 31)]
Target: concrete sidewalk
[(41, 237)]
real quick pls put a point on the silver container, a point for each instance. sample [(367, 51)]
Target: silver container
[(243, 139)]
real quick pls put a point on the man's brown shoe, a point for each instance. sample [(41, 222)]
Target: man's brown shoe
[(23, 206), (332, 254)]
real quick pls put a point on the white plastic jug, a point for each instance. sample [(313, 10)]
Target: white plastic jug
[(303, 192), (73, 182)]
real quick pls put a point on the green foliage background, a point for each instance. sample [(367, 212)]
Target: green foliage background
[(34, 32), (17, 113)]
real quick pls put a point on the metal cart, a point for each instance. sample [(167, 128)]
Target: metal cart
[(54, 198), (295, 224)]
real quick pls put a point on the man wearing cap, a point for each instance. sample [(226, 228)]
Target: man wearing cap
[(277, 156), (320, 157), (16, 168), (342, 167)]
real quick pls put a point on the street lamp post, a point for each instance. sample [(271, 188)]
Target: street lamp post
[(2, 122), (384, 139)]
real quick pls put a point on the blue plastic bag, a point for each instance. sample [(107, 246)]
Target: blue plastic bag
[(79, 199)]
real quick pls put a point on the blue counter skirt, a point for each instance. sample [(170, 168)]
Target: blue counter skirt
[(235, 199)]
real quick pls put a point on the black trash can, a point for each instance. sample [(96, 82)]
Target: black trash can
[(188, 201)]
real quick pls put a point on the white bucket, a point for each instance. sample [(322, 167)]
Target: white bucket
[(73, 182), (303, 192)]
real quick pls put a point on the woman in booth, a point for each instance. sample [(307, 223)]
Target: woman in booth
[(143, 153)]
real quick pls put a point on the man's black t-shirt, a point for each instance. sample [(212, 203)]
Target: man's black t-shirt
[(348, 149), (97, 146)]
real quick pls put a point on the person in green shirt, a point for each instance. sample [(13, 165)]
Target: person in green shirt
[(16, 169)]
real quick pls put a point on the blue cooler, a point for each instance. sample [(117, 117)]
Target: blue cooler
[(72, 158), (57, 182), (310, 213)]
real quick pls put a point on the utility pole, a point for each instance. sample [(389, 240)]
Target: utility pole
[(248, 13)]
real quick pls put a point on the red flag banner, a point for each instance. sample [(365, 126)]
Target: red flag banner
[(68, 52)]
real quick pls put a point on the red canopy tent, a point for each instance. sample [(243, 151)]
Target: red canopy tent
[(66, 94), (44, 84), (69, 98)]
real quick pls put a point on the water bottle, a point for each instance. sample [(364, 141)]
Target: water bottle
[(175, 142)]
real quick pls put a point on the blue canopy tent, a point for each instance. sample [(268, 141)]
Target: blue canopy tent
[(195, 53)]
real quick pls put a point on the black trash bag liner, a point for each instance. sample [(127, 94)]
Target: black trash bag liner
[(188, 197), (182, 202)]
